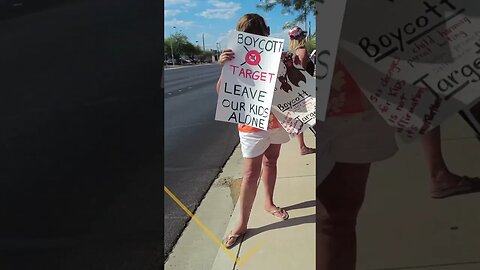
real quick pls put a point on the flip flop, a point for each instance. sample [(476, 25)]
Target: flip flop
[(308, 151), (227, 241), (284, 216), (464, 186)]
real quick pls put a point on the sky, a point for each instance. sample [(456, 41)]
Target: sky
[(216, 18)]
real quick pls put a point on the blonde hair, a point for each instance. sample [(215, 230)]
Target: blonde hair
[(297, 44), (252, 23)]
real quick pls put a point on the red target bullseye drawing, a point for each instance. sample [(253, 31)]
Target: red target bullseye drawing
[(253, 58)]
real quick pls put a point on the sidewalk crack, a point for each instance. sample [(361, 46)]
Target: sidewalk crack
[(238, 252)]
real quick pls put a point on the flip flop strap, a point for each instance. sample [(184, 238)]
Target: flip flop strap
[(279, 210)]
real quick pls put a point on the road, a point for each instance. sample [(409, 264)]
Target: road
[(196, 146), (80, 137)]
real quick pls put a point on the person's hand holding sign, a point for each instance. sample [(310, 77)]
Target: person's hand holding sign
[(226, 55)]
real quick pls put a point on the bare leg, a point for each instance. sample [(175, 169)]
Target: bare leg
[(339, 199), (440, 175), (248, 190), (269, 176), (304, 150), (433, 151), (444, 183)]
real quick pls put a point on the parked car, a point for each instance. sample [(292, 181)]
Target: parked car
[(185, 60)]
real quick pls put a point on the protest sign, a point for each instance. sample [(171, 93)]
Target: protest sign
[(294, 99), (418, 62), (248, 81), (329, 25)]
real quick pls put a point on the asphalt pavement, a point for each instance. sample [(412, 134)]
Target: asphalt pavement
[(196, 146), (80, 142)]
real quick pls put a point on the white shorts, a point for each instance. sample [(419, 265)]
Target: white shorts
[(357, 138), (255, 143)]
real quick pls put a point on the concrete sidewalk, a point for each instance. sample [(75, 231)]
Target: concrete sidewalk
[(401, 227), (283, 245)]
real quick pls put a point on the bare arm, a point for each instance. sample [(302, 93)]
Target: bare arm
[(304, 57), (226, 55)]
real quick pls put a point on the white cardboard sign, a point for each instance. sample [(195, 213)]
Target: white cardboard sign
[(248, 81), (329, 20), (294, 101), (418, 62)]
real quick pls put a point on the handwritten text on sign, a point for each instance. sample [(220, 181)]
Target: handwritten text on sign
[(294, 100), (421, 67), (248, 81)]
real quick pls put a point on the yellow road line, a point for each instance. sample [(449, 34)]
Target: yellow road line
[(209, 233), (248, 255), (204, 228)]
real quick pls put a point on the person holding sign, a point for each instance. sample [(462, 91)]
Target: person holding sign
[(352, 137), (297, 46), (260, 148)]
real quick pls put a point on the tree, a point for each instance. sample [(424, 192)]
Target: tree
[(311, 44), (207, 56), (181, 46), (302, 7), (192, 50)]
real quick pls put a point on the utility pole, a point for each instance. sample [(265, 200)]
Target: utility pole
[(203, 37), (305, 16), (171, 47), (196, 56), (309, 29), (305, 19)]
